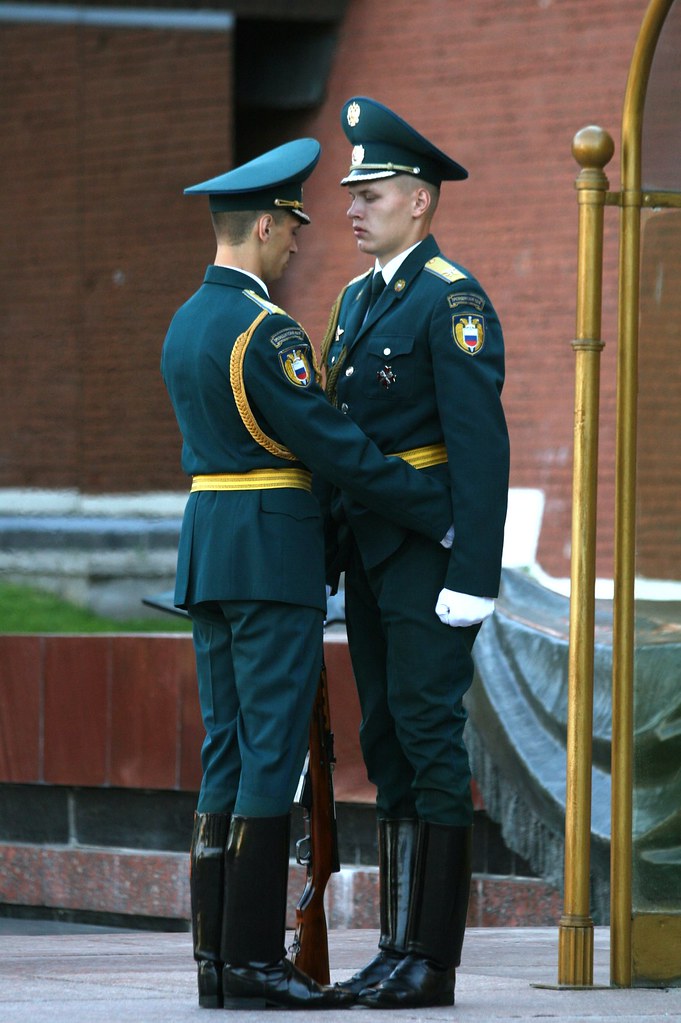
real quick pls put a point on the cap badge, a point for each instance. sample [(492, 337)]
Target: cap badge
[(357, 156), (353, 114)]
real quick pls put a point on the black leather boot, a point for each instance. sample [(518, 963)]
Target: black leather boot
[(256, 973), (437, 921), (206, 884), (396, 853)]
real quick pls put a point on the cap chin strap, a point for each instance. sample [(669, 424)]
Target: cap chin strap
[(289, 204), (293, 206), (372, 176), (395, 168)]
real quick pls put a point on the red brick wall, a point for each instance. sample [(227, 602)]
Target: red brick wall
[(106, 127), (102, 129), (504, 86)]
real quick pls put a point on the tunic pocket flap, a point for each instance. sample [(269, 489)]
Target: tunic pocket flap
[(386, 346)]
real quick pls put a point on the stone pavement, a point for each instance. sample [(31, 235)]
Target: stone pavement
[(88, 975)]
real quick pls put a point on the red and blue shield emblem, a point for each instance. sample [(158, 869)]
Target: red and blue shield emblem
[(296, 366)]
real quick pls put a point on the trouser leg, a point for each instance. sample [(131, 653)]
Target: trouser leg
[(386, 764), (412, 675), (218, 698), (277, 657)]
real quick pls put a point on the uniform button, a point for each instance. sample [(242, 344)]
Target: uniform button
[(349, 371), (344, 408), (386, 351), (333, 359)]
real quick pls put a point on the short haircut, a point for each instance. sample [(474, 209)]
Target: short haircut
[(409, 182), (234, 226)]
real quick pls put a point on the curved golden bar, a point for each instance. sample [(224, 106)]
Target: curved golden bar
[(625, 495), (593, 149)]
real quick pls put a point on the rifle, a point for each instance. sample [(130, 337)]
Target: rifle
[(318, 849)]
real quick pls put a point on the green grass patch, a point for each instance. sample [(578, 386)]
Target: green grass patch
[(24, 609)]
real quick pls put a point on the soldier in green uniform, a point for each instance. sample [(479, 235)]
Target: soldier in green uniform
[(414, 355), (255, 421)]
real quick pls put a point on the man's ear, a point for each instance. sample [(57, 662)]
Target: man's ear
[(421, 202), (264, 226)]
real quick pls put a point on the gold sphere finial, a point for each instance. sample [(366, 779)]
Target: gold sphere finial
[(593, 147)]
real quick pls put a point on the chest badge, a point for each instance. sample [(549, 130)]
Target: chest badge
[(469, 333), (386, 377)]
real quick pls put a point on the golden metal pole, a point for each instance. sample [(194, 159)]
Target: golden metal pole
[(625, 498), (621, 814), (592, 148)]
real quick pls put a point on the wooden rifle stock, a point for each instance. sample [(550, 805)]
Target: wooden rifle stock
[(318, 850)]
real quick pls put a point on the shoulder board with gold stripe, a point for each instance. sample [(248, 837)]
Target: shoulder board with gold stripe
[(262, 302), (444, 269), (359, 277)]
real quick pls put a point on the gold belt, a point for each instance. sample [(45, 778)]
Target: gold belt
[(256, 479), (422, 458)]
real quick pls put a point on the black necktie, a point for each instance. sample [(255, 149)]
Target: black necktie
[(377, 286)]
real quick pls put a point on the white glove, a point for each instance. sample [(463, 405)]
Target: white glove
[(461, 609), (448, 539)]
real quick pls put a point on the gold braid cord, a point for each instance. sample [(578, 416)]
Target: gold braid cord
[(332, 373), (315, 366), (236, 376)]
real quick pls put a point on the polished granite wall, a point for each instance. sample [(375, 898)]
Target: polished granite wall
[(99, 767)]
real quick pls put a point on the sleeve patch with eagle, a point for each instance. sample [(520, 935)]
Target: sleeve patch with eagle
[(296, 365), (469, 333)]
